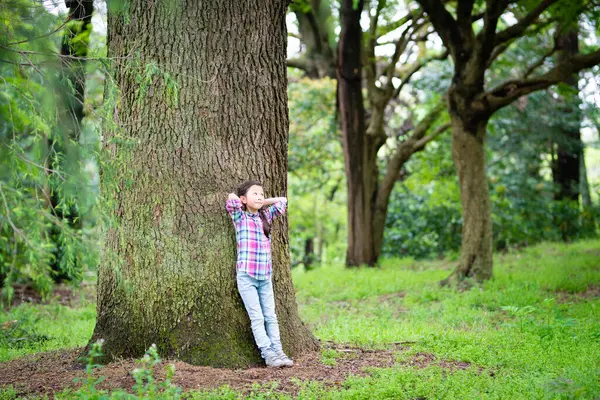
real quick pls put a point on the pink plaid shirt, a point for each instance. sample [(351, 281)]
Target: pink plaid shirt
[(253, 246)]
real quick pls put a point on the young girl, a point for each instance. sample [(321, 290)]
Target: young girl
[(252, 216)]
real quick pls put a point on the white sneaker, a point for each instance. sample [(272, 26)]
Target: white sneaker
[(272, 359), (286, 361)]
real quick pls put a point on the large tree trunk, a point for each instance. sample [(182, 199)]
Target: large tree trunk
[(71, 90), (468, 153), (360, 155), (168, 270)]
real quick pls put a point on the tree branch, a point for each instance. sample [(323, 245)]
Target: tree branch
[(464, 18), (507, 92), (402, 154), (531, 69), (421, 143), (487, 37), (518, 28), (424, 125), (384, 30), (299, 63), (400, 47), (424, 36), (415, 68), (444, 24), (371, 63), (501, 48)]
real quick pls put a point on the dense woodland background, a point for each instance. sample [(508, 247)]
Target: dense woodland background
[(541, 154)]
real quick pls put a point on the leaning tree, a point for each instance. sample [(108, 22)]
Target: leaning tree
[(369, 93), (200, 105), (474, 47)]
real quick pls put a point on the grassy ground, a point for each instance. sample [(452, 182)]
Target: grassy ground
[(531, 332)]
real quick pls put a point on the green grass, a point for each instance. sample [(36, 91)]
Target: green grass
[(39, 328), (526, 333), (525, 325)]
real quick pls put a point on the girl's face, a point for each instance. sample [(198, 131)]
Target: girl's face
[(254, 198)]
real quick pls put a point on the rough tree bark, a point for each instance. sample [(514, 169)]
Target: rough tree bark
[(167, 274)]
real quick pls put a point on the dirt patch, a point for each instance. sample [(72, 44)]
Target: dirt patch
[(424, 360), (46, 373), (392, 296), (61, 294), (591, 292)]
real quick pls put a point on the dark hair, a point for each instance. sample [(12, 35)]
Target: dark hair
[(241, 191)]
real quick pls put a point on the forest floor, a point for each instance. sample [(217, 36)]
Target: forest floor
[(51, 372), (391, 332)]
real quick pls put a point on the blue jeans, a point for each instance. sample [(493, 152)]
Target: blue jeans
[(260, 305)]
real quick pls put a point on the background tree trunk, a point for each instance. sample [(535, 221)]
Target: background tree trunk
[(584, 185), (468, 153), (71, 89), (363, 132), (566, 172), (168, 270), (309, 253), (359, 154)]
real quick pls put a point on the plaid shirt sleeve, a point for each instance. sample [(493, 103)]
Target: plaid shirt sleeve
[(234, 208), (276, 209)]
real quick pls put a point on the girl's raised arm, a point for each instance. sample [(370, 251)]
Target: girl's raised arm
[(275, 206), (273, 200), (234, 207)]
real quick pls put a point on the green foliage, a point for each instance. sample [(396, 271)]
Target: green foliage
[(21, 332), (8, 393), (424, 215), (302, 6), (416, 228), (523, 140), (120, 8), (41, 164), (329, 356), (77, 37), (419, 226), (151, 72), (30, 328), (316, 174), (315, 147)]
